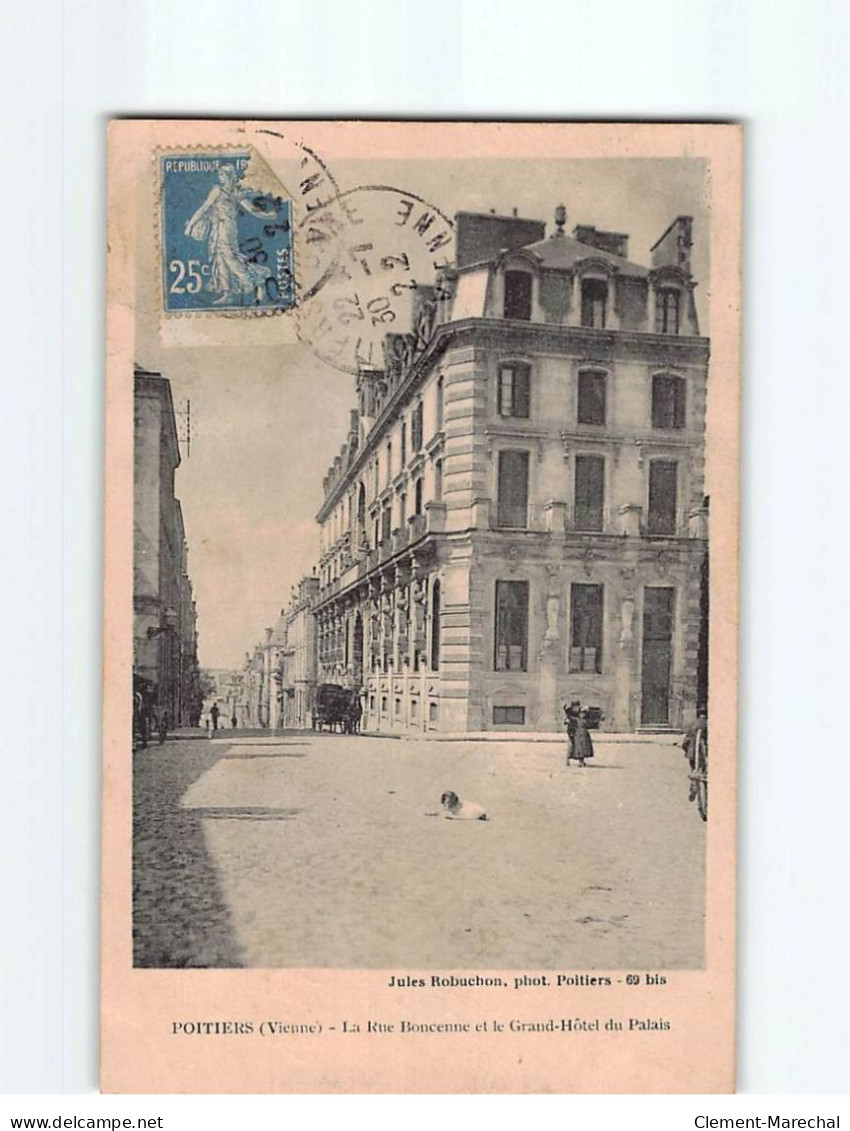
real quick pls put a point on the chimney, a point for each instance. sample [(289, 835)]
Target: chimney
[(615, 243), (480, 236), (673, 249)]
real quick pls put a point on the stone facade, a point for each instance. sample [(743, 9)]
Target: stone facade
[(517, 516), (298, 656), (165, 658)]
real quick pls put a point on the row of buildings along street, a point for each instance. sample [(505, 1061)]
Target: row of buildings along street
[(516, 516), (166, 678)]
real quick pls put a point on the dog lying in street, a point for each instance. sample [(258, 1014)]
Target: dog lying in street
[(456, 810)]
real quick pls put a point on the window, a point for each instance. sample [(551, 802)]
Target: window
[(509, 716), (377, 478), (416, 428), (361, 512), (668, 401), (513, 396), (594, 297), (439, 413), (417, 497), (389, 463), (667, 303), (386, 523), (513, 489), (587, 603), (591, 397), (511, 636), (518, 295), (402, 510), (662, 496), (589, 492), (438, 481), (403, 444), (435, 627)]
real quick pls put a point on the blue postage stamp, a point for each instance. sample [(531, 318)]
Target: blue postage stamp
[(225, 245)]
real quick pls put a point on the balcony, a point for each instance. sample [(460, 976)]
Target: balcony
[(512, 516), (399, 539)]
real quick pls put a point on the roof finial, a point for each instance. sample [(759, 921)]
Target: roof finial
[(560, 219)]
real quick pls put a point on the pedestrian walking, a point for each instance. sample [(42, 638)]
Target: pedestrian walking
[(582, 743), (214, 713), (571, 716), (233, 720)]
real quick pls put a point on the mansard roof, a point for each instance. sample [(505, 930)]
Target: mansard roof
[(562, 253)]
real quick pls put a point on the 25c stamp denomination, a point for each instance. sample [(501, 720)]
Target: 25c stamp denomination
[(226, 245)]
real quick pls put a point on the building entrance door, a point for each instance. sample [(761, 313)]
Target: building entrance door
[(657, 655)]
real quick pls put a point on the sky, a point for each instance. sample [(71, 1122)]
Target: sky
[(268, 417)]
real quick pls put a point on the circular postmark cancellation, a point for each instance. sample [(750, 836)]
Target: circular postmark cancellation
[(362, 258), (227, 225)]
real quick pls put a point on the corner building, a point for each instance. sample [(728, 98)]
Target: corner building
[(517, 517)]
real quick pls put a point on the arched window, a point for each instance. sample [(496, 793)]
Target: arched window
[(439, 412), (435, 627), (518, 295), (594, 300), (668, 303), (417, 497), (361, 514)]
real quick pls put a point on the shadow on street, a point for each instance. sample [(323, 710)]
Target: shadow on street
[(180, 918)]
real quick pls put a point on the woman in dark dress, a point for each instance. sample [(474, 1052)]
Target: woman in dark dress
[(571, 715), (582, 743)]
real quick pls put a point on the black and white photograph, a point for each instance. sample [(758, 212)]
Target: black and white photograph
[(443, 556)]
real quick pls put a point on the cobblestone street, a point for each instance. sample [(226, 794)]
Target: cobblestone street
[(302, 850)]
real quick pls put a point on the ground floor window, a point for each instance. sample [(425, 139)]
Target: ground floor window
[(511, 635), (510, 716), (587, 605)]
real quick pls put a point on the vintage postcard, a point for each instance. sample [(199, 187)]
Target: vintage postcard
[(421, 585)]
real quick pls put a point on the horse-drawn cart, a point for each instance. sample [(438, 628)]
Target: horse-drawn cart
[(336, 706)]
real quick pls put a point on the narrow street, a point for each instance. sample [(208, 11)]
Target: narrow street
[(300, 850)]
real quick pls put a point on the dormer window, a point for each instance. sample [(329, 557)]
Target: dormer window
[(518, 295), (594, 300), (514, 382), (667, 310)]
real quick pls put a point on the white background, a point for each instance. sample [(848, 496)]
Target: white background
[(781, 68)]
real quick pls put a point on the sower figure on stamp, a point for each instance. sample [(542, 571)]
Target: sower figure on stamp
[(232, 274)]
